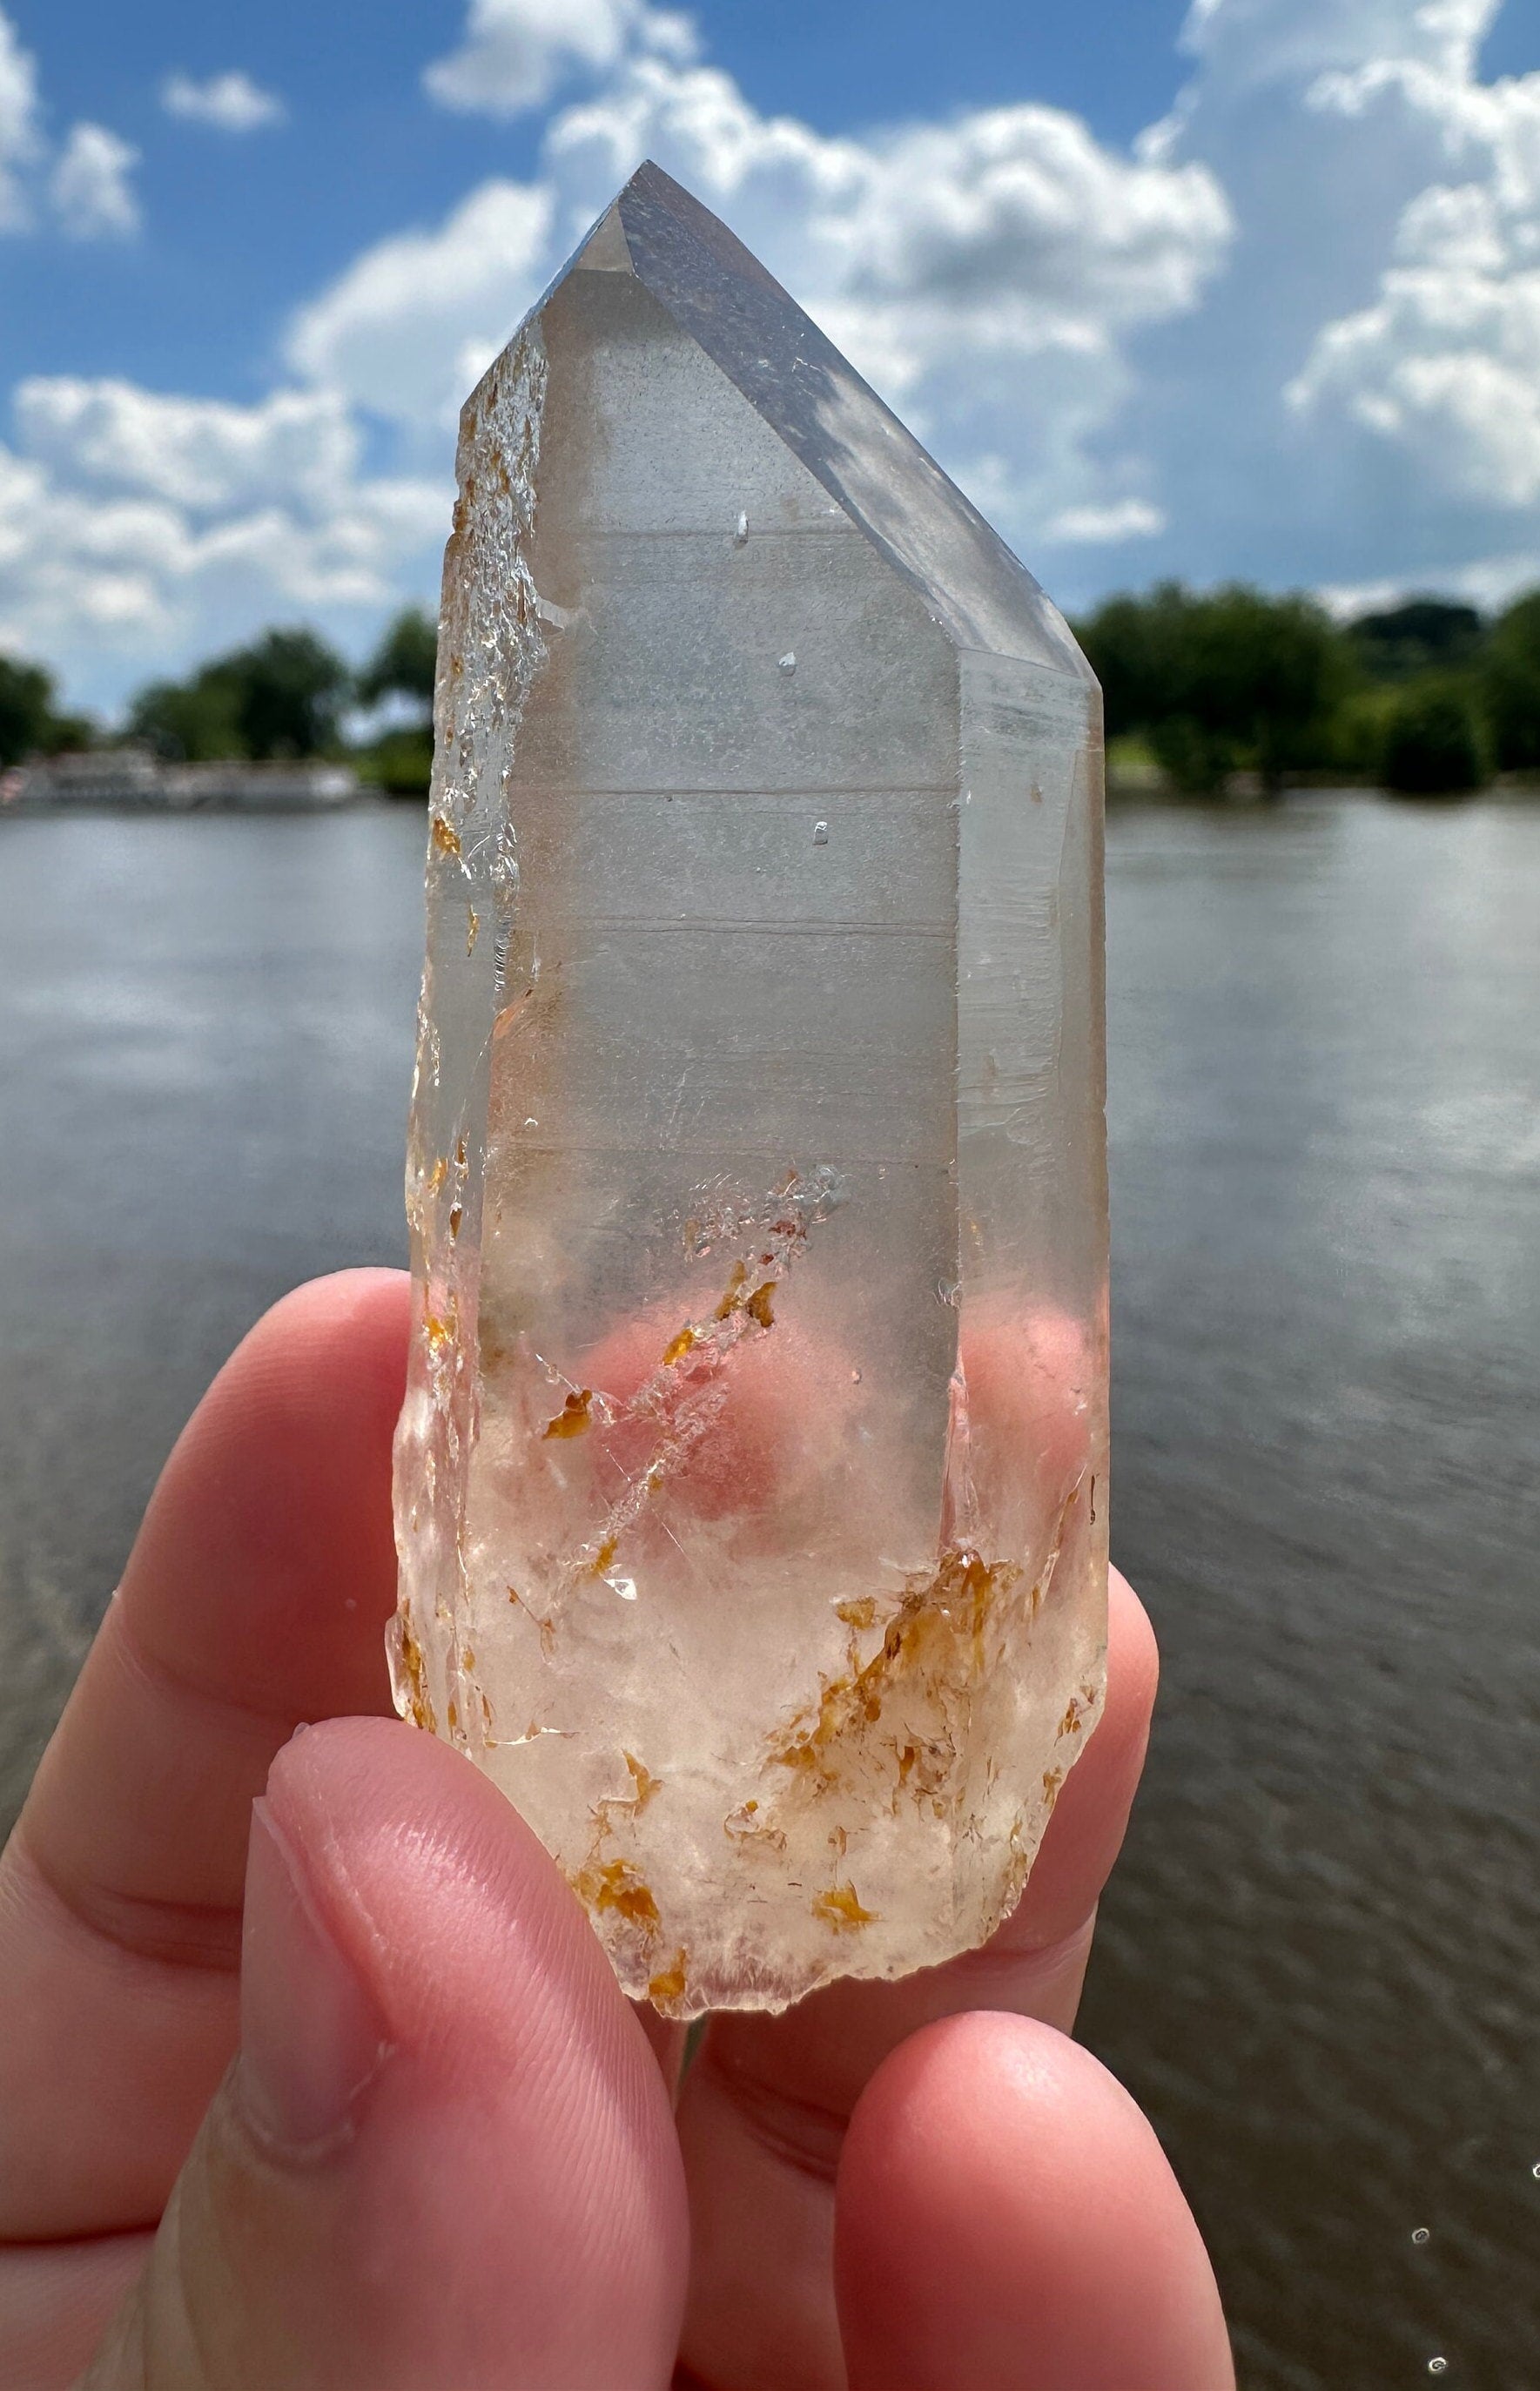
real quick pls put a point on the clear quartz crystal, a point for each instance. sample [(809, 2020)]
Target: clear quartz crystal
[(751, 1482)]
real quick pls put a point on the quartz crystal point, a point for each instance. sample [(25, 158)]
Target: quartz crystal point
[(751, 1482)]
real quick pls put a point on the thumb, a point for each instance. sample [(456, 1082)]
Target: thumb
[(444, 2155)]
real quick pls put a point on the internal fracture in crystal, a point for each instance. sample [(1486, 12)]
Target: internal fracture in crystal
[(751, 1482)]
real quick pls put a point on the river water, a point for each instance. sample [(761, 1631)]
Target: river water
[(1319, 1967)]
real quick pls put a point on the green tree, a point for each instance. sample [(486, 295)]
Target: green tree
[(1432, 744), (30, 725), (281, 696), (1511, 680), (26, 709), (1423, 635), (191, 722), (1131, 643), (290, 688), (404, 662), (1221, 681), (400, 760)]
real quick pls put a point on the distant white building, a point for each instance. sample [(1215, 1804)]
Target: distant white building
[(134, 777)]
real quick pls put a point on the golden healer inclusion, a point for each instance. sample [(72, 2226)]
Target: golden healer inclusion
[(751, 1482)]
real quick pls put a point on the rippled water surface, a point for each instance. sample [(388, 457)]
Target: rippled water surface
[(1320, 1963)]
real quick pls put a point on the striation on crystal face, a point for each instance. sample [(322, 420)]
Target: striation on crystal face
[(751, 1481)]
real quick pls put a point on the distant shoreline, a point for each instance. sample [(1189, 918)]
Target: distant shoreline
[(132, 781), (129, 782)]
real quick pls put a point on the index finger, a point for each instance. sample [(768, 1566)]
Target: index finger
[(255, 1598)]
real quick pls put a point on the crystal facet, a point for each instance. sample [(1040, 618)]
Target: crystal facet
[(751, 1479)]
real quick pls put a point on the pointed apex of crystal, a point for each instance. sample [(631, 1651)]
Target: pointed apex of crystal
[(604, 249), (732, 306)]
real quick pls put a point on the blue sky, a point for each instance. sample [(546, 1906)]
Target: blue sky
[(1236, 286)]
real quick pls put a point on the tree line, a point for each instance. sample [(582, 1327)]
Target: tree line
[(286, 694), (1423, 697), (1428, 697)]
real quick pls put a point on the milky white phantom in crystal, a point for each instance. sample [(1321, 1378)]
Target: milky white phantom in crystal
[(750, 1483)]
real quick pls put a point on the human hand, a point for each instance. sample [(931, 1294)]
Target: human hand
[(445, 2157)]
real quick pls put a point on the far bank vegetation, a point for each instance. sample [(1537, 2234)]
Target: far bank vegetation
[(287, 696), (1207, 692)]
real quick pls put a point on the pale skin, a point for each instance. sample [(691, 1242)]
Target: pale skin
[(419, 2142)]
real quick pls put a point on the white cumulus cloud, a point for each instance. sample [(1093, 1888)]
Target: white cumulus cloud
[(1244, 43), (138, 530), (514, 52), (90, 187), (410, 325), (86, 184), (1444, 359), (20, 140), (231, 102), (1354, 403), (203, 454), (1015, 228), (1101, 526)]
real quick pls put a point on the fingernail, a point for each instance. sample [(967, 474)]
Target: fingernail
[(310, 2037)]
